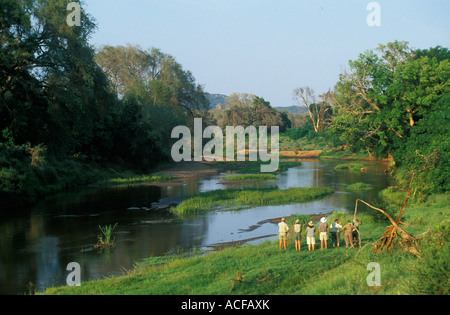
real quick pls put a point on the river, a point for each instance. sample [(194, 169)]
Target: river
[(37, 244)]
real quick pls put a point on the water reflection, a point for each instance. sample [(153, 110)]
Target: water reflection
[(37, 245)]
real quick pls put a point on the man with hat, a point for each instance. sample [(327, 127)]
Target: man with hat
[(283, 229), (310, 235), (297, 237), (323, 226)]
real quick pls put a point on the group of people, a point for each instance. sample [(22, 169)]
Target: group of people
[(351, 233)]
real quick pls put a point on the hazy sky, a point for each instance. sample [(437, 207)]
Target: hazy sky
[(267, 47)]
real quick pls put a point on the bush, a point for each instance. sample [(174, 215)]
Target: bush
[(301, 132), (432, 272)]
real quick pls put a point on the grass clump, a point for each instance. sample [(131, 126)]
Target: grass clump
[(249, 177), (354, 166), (246, 198), (105, 239), (139, 179), (359, 186)]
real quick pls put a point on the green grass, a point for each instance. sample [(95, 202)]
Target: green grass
[(353, 166), (393, 195), (249, 177), (227, 199), (359, 186), (138, 179), (267, 270)]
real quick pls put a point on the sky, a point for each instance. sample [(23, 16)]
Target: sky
[(267, 47)]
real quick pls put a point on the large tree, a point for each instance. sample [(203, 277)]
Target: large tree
[(245, 109), (391, 97), (52, 91), (153, 75), (319, 111)]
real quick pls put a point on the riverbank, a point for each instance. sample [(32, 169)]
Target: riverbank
[(267, 270)]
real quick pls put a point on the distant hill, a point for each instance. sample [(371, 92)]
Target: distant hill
[(215, 99), (293, 109)]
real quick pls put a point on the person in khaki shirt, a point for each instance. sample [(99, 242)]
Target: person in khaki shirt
[(297, 236), (282, 230), (348, 229), (323, 226)]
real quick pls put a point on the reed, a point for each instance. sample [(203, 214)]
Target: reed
[(105, 239)]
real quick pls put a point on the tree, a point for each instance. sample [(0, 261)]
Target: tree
[(153, 75), (319, 111), (389, 99), (52, 91), (250, 110)]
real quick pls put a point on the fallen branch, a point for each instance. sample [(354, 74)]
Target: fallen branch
[(387, 241)]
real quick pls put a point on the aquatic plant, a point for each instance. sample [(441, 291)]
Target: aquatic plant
[(105, 238)]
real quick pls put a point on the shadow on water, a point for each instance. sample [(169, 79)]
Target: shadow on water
[(36, 246)]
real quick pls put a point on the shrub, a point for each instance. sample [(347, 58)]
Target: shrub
[(432, 272)]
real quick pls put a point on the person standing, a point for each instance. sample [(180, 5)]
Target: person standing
[(282, 230), (348, 229), (310, 235), (323, 226), (355, 234), (297, 236), (335, 226)]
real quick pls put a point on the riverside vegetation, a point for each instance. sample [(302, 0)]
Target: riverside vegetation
[(70, 114), (264, 269)]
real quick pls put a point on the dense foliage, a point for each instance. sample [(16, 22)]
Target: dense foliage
[(64, 104), (395, 103)]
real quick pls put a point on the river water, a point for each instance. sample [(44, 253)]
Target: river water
[(36, 245)]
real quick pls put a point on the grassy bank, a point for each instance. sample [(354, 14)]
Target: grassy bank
[(248, 177), (251, 167), (137, 179), (267, 270), (245, 198)]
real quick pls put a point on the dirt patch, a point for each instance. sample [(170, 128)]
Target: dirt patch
[(301, 154), (189, 169)]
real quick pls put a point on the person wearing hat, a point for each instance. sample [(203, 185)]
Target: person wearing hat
[(323, 226), (297, 237), (348, 230), (310, 235), (282, 230)]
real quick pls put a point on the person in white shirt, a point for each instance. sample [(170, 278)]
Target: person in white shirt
[(282, 230)]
